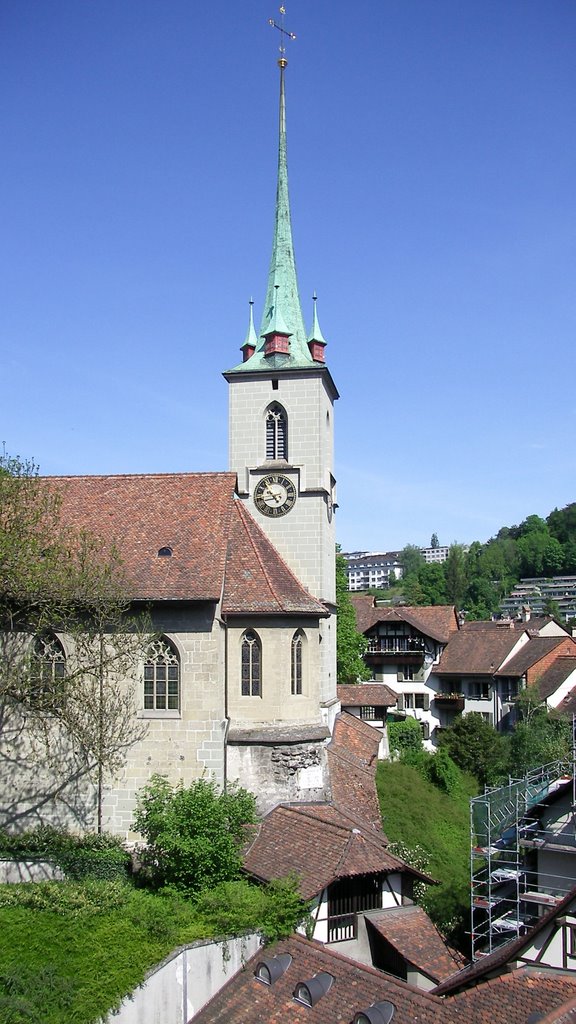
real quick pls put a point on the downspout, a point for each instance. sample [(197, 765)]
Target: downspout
[(226, 715)]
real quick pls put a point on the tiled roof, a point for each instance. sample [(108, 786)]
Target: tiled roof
[(411, 932), (530, 654), (555, 675), (366, 694), (320, 843), (217, 548), (187, 512), (352, 761), (247, 1001), (509, 953), (567, 706), (471, 652), (257, 578), (436, 621), (507, 1000)]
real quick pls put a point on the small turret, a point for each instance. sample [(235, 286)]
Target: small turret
[(316, 340), (249, 347)]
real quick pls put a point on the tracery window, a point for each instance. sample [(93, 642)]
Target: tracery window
[(47, 673), (251, 665), (296, 664), (161, 678), (276, 433)]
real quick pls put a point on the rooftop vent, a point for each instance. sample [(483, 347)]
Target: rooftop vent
[(378, 1013), (164, 552), (309, 992), (268, 971)]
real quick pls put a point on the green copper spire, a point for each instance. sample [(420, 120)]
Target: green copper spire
[(250, 341), (316, 332), (282, 290)]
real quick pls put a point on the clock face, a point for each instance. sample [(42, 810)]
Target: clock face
[(274, 495)]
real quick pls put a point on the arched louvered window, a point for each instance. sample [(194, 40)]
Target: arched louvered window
[(276, 433), (251, 665), (47, 673), (296, 667), (161, 677)]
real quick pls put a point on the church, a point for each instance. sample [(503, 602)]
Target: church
[(238, 572)]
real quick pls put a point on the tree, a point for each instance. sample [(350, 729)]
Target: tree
[(67, 646), (476, 747), (194, 835), (411, 559), (434, 542), (540, 736), (350, 644), (455, 575)]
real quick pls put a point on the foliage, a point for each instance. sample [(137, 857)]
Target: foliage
[(193, 834), (275, 909), (421, 816), (91, 856), (476, 747), (350, 644), (455, 575), (540, 736), (411, 559), (59, 581), (404, 735)]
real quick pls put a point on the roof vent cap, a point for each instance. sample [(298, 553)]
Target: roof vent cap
[(378, 1013), (164, 552), (309, 992), (268, 971)]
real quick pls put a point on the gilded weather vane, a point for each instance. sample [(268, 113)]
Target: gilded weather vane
[(283, 32)]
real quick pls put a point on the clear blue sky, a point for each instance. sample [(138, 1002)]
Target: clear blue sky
[(432, 160)]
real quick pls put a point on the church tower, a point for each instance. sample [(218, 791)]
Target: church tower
[(281, 428)]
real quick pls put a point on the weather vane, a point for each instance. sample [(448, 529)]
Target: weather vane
[(283, 32)]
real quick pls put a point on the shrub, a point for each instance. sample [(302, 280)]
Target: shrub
[(275, 909), (194, 835), (404, 736), (91, 856)]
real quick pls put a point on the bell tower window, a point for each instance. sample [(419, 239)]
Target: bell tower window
[(276, 433)]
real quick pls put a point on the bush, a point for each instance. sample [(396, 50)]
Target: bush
[(276, 909), (91, 856), (194, 835), (404, 736)]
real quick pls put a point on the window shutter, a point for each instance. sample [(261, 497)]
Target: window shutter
[(400, 701), (400, 677), (426, 702)]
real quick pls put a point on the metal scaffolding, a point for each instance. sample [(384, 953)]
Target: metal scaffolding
[(508, 891)]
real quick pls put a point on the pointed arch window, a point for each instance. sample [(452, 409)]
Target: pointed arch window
[(276, 433), (161, 677), (296, 664), (47, 673), (251, 665)]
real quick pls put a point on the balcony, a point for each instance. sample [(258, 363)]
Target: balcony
[(409, 649), (450, 702)]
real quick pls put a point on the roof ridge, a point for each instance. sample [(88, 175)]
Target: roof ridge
[(132, 476)]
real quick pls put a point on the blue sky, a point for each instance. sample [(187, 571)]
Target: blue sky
[(432, 163)]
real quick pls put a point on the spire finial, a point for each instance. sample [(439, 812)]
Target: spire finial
[(282, 62)]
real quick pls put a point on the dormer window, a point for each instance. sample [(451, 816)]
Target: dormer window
[(309, 992), (378, 1013), (268, 971), (276, 433), (164, 552)]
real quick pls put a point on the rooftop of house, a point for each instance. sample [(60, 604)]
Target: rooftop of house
[(184, 537), (556, 674), (409, 930), (351, 987), (436, 621), (352, 761), (530, 654), (477, 651), (360, 695)]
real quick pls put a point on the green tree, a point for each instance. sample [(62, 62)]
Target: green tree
[(411, 559), (193, 834), (540, 736), (455, 575), (476, 747), (432, 584), (350, 644), (434, 542)]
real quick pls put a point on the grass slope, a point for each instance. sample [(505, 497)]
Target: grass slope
[(419, 815)]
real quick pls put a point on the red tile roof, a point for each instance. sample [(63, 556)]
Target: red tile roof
[(476, 652), (555, 675), (366, 695), (352, 761), (436, 621), (507, 1000), (320, 843), (411, 932), (217, 548), (247, 1001), (530, 654)]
